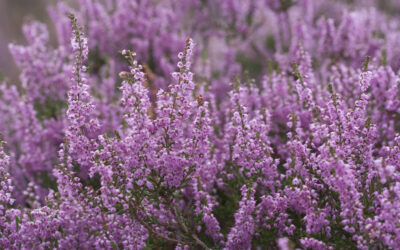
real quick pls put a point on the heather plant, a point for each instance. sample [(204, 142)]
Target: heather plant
[(204, 125)]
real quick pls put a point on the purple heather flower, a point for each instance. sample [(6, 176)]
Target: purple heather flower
[(268, 132)]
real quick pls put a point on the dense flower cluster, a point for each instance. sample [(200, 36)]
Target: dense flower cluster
[(275, 125)]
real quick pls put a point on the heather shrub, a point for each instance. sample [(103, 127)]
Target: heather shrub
[(204, 125)]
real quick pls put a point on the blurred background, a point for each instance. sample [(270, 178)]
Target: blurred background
[(13, 13)]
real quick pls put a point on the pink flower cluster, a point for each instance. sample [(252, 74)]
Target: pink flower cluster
[(276, 125)]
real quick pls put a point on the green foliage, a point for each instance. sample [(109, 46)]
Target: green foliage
[(253, 67), (49, 109)]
